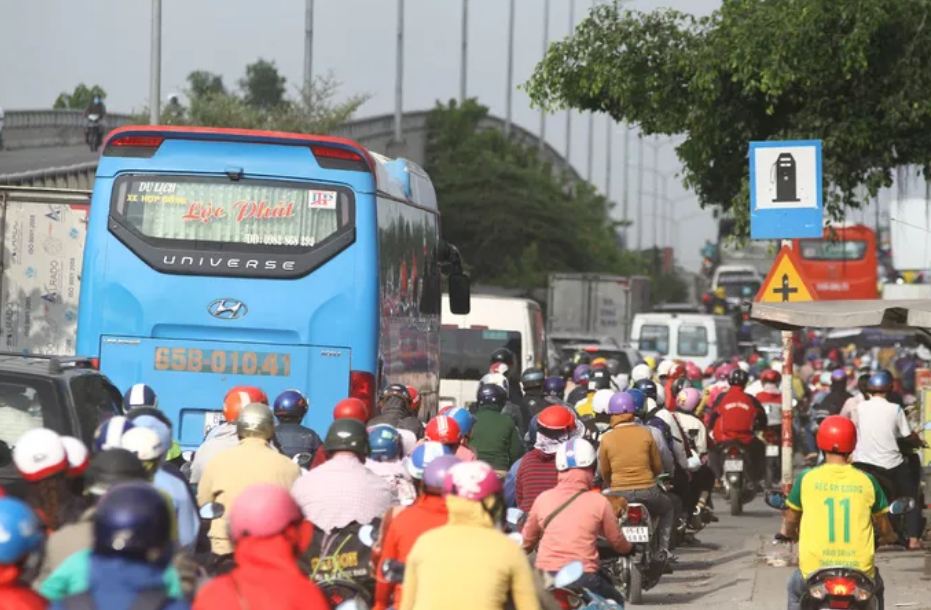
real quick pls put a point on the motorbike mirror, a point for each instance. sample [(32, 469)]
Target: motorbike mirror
[(211, 511), (513, 516), (775, 499), (353, 604), (517, 537), (568, 574), (187, 456), (900, 506), (367, 535), (392, 571), (303, 460)]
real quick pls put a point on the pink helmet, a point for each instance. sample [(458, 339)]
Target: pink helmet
[(434, 475), (472, 481), (688, 399), (722, 372), (263, 510)]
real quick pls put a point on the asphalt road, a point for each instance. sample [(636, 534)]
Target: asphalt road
[(728, 570), (28, 159)]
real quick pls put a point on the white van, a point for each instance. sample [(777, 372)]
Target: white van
[(467, 342), (701, 338)]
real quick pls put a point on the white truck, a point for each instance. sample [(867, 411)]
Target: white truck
[(593, 307), (43, 232)]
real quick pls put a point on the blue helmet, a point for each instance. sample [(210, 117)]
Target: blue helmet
[(647, 387), (554, 386), (880, 381), (23, 533), (463, 417), (491, 394), (134, 520), (291, 405), (109, 434), (640, 400), (384, 443), (140, 395), (422, 455)]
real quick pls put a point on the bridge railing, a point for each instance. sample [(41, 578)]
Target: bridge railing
[(33, 128)]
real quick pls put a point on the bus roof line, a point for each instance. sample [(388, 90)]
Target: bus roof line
[(247, 135)]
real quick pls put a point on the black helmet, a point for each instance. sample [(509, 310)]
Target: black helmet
[(347, 435), (862, 382), (738, 377), (491, 394), (647, 387), (599, 379), (112, 466), (397, 389), (680, 384), (566, 369), (504, 355), (532, 378), (134, 520)]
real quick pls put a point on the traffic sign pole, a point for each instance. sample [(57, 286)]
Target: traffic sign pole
[(788, 370)]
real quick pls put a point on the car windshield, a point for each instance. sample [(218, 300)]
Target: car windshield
[(740, 287), (25, 405), (765, 335)]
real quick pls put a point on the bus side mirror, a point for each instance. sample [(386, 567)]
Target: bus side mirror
[(459, 293)]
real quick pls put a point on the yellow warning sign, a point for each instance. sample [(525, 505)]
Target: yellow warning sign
[(785, 282)]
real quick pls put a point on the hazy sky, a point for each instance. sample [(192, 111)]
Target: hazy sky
[(49, 46)]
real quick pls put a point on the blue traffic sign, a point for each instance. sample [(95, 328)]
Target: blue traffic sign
[(786, 189)]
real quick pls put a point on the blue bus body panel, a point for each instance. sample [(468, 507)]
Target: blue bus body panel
[(326, 322)]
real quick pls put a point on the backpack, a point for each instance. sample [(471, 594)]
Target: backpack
[(153, 599)]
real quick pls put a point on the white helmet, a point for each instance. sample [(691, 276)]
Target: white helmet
[(78, 455), (664, 368), (744, 366), (575, 453), (660, 394), (143, 442), (39, 453), (496, 379), (641, 371), (600, 401)]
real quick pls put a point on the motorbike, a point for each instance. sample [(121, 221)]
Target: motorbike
[(93, 131), (838, 586), (772, 437), (641, 570), (738, 489), (570, 596), (339, 563)]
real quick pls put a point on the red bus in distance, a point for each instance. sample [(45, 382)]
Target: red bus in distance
[(843, 264)]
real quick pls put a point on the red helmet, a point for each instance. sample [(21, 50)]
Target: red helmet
[(443, 429), (692, 372), (351, 408), (556, 417), (677, 370), (837, 434), (415, 398), (240, 396), (771, 376)]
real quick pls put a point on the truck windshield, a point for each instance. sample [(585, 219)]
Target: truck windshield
[(464, 352)]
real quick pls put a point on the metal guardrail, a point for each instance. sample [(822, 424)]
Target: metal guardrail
[(79, 175), (30, 119)]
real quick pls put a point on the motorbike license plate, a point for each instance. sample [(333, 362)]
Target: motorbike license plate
[(733, 465), (637, 534), (772, 450)]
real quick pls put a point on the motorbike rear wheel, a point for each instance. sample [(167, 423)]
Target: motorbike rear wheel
[(736, 500), (635, 585)]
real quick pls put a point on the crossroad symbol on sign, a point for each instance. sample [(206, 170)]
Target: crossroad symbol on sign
[(785, 282)]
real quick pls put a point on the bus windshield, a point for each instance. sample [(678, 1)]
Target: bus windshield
[(175, 211)]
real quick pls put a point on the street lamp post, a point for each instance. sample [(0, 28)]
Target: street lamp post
[(510, 89), (546, 44), (308, 45), (155, 66), (399, 75), (463, 59)]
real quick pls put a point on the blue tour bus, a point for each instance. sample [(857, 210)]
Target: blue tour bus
[(219, 257)]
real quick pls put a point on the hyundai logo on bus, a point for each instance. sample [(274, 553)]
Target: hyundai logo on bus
[(227, 309)]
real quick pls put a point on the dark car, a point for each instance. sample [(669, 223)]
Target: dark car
[(66, 395)]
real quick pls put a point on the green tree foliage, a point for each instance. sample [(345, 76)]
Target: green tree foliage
[(512, 216), (79, 99), (263, 86), (202, 83), (853, 74)]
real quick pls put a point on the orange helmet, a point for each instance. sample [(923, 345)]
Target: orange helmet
[(837, 434), (415, 398), (351, 408), (240, 396)]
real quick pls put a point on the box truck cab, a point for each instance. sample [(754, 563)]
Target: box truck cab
[(701, 338), (467, 342)]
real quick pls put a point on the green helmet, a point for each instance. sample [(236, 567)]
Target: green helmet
[(347, 435)]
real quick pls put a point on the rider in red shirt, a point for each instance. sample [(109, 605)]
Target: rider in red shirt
[(734, 418)]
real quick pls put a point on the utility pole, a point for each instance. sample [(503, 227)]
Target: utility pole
[(609, 135), (667, 214), (155, 66), (625, 184), (308, 45), (655, 191), (591, 145), (546, 44), (568, 111), (399, 76), (464, 53), (510, 89), (639, 191)]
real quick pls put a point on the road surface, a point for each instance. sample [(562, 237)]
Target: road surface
[(728, 570), (29, 159)]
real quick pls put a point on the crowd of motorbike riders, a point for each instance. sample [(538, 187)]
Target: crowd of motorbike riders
[(411, 514)]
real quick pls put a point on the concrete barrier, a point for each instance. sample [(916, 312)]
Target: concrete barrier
[(37, 128)]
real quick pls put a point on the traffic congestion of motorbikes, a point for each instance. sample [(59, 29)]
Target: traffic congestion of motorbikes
[(595, 486)]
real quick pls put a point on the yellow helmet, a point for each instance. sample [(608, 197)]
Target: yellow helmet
[(720, 292), (651, 362)]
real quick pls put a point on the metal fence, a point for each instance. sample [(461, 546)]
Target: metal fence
[(32, 119)]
